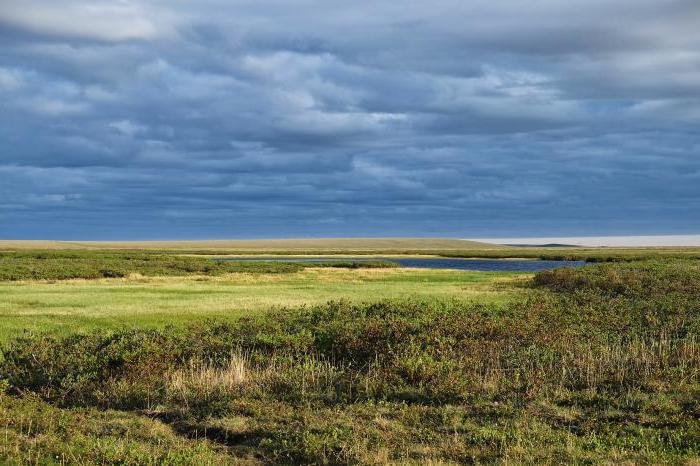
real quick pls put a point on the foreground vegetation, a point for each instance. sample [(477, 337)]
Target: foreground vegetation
[(600, 364)]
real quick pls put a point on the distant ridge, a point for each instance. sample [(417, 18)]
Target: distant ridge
[(548, 245), (303, 244)]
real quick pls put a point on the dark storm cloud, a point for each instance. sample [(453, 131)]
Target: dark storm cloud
[(136, 119)]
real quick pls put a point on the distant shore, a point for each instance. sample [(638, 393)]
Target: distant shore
[(613, 241)]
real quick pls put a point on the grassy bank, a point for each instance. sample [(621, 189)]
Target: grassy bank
[(64, 265), (595, 365)]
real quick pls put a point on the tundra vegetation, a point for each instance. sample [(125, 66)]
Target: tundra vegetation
[(590, 365)]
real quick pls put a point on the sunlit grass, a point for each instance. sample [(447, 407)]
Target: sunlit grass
[(68, 306)]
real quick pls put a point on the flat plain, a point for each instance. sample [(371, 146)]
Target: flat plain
[(76, 305)]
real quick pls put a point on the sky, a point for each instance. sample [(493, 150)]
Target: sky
[(155, 119)]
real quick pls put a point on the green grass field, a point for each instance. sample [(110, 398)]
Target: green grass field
[(138, 356), (76, 305)]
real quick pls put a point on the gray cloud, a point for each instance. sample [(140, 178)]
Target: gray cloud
[(146, 119)]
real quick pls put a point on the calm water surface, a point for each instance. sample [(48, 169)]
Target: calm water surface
[(484, 265)]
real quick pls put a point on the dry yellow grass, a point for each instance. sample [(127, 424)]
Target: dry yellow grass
[(204, 379)]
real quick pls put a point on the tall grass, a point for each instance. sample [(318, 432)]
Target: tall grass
[(203, 380)]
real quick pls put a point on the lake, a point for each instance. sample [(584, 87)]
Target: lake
[(483, 265)]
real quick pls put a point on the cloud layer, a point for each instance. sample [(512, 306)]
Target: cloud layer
[(174, 119)]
